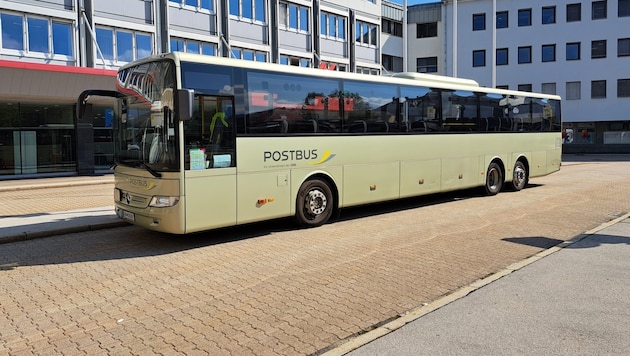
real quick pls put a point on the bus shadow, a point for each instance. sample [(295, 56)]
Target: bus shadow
[(393, 206), (130, 242)]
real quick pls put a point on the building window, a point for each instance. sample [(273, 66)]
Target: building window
[(599, 10), (199, 4), (295, 61), (502, 19), (598, 89), (574, 12), (623, 8), (294, 17), (122, 45), (479, 22), (623, 88), (392, 63), (191, 46), (426, 65), (12, 32), (524, 17), (43, 35), (548, 88), (394, 28), (424, 30), (548, 15), (598, 49), (573, 51), (479, 58), (248, 54), (367, 70), (502, 56), (332, 26), (573, 90), (525, 87), (503, 87), (623, 47), (549, 53), (248, 9), (524, 54), (62, 39), (367, 33)]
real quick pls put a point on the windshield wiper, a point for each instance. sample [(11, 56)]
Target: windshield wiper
[(139, 163), (151, 170)]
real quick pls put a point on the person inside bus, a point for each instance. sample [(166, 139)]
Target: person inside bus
[(217, 124)]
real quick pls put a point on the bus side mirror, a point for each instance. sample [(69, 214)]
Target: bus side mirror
[(185, 98)]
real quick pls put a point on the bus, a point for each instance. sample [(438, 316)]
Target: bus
[(203, 142)]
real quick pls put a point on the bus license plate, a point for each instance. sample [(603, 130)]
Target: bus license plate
[(129, 216)]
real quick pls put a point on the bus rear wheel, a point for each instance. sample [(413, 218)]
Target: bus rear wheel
[(520, 176), (494, 179), (314, 203)]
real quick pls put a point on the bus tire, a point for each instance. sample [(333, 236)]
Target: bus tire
[(494, 179), (314, 204), (520, 176)]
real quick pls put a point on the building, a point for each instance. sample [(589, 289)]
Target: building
[(52, 50), (576, 49)]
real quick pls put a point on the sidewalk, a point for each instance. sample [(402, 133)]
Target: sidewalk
[(568, 300), (50, 223)]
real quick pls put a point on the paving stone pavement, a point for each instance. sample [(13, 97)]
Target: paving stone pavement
[(274, 289)]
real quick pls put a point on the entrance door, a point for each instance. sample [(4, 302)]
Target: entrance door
[(210, 165)]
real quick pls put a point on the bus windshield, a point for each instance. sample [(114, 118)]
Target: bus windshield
[(144, 128)]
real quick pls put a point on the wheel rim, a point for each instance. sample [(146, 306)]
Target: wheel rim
[(519, 176), (493, 179), (316, 202)]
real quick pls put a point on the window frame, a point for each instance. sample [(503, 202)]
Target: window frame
[(507, 56), (596, 10), (596, 89), (572, 17), (623, 44), (528, 20), (579, 51), (596, 47), (573, 90), (506, 19), (476, 58), (544, 49), (548, 18), (475, 17), (529, 54), (427, 65), (423, 30), (623, 88)]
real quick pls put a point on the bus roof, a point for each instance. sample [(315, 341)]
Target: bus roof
[(405, 78)]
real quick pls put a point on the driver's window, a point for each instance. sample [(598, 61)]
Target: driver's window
[(209, 136)]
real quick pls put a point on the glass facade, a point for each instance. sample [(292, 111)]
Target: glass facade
[(40, 138)]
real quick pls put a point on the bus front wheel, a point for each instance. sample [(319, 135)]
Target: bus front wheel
[(494, 179), (314, 203), (520, 176)]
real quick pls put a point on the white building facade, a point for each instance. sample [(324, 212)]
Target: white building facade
[(576, 49)]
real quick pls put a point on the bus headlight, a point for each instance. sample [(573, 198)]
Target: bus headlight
[(163, 202)]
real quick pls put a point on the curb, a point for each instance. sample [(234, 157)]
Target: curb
[(54, 185), (63, 231), (416, 313)]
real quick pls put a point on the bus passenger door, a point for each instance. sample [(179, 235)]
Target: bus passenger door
[(210, 164)]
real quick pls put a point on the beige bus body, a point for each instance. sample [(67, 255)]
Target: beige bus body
[(359, 169)]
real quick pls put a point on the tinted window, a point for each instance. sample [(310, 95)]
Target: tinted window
[(373, 107), (284, 103)]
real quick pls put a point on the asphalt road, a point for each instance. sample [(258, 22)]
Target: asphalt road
[(272, 288)]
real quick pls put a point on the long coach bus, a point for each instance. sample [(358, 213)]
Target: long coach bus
[(204, 142)]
